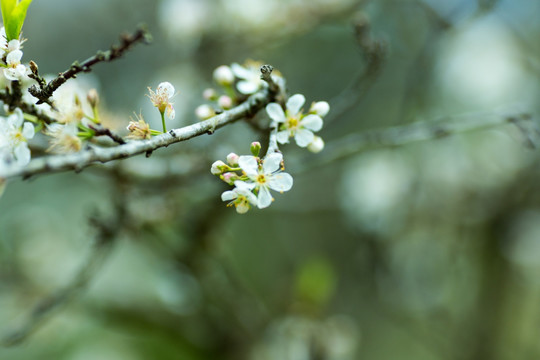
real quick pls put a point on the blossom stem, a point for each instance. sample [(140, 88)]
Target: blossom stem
[(163, 121)]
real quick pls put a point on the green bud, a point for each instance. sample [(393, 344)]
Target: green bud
[(255, 148)]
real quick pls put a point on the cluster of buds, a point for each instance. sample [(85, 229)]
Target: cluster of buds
[(252, 177), (235, 83)]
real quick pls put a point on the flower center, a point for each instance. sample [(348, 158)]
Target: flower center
[(261, 179), (292, 123)]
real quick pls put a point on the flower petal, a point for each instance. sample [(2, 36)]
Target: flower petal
[(240, 72), (22, 153), (229, 195), (264, 199), (283, 137), (242, 207), (280, 182), (294, 104), (249, 165), (166, 88), (28, 130), (312, 122), (275, 112), (272, 163), (247, 87), (303, 137)]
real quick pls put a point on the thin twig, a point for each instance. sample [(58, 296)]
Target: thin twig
[(411, 133), (44, 92)]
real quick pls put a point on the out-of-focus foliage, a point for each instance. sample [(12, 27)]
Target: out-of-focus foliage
[(427, 251)]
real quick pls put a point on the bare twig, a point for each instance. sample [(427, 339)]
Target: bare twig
[(44, 92), (411, 133)]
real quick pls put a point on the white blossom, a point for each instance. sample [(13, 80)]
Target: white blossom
[(241, 197), (223, 75), (320, 108), (317, 145), (293, 123), (14, 133), (161, 98), (265, 177), (64, 138), (250, 78), (14, 70)]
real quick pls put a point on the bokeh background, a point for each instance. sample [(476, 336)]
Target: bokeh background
[(425, 251)]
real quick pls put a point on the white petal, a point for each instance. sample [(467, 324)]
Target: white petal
[(272, 163), (229, 195), (247, 87), (13, 45), (251, 198), (14, 57), (312, 122), (16, 119), (11, 74), (22, 153), (248, 164), (240, 71), (303, 137), (170, 112), (280, 182), (166, 88), (242, 208), (275, 112), (283, 137), (264, 199), (28, 130), (244, 187), (294, 104)]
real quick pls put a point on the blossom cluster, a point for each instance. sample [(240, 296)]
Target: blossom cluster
[(235, 82), (14, 133), (12, 53), (253, 178)]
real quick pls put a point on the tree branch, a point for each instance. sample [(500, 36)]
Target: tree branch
[(127, 41), (94, 154)]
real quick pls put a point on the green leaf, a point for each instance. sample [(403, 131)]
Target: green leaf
[(13, 15)]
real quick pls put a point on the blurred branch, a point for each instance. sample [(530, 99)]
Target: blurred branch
[(45, 91), (374, 53), (107, 232), (94, 154), (421, 131)]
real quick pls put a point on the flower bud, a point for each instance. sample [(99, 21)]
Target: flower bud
[(255, 148), (232, 159), (93, 98), (210, 94), (229, 177), (204, 112), (223, 75), (320, 108), (218, 167), (225, 102), (316, 145)]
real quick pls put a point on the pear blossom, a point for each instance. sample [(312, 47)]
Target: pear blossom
[(64, 138), (14, 70), (320, 108), (218, 167), (161, 98), (265, 177), (241, 197), (293, 123), (139, 130), (250, 78), (14, 133)]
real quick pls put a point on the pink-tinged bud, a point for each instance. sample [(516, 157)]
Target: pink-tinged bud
[(229, 178), (255, 148), (225, 102), (210, 94), (232, 159), (316, 145), (223, 75), (320, 108), (218, 167)]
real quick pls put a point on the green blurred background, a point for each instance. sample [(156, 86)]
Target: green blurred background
[(425, 251)]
